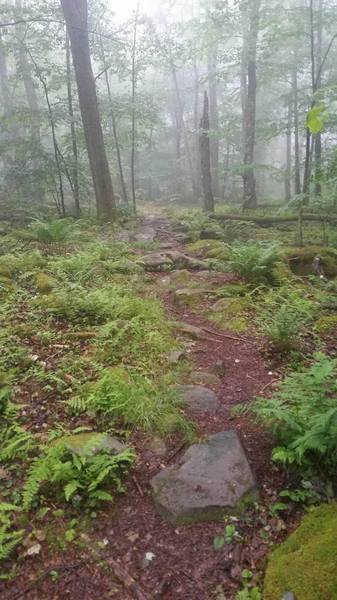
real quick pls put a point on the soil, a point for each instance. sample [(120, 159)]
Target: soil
[(109, 560)]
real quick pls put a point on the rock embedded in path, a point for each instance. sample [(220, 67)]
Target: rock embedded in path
[(182, 261), (212, 479), (157, 262), (189, 296), (199, 399), (79, 442), (145, 234), (202, 378)]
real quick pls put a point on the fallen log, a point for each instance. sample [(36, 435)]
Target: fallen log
[(271, 221)]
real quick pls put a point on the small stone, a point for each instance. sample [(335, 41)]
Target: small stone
[(288, 596), (33, 550), (40, 535), (147, 560), (176, 356)]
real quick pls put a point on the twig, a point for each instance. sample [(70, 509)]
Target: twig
[(175, 452), (125, 578), (268, 385), (224, 335), (137, 486)]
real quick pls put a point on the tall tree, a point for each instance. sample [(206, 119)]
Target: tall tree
[(205, 159), (251, 16), (76, 17), (74, 169)]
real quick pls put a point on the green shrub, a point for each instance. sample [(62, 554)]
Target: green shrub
[(132, 401), (53, 232), (302, 415), (64, 473), (255, 262)]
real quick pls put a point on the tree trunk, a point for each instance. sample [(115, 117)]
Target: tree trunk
[(133, 122), (249, 117), (205, 159), (28, 82), (213, 118), (296, 135), (74, 170), (196, 125), (318, 82), (76, 17), (287, 181), (114, 130), (5, 102)]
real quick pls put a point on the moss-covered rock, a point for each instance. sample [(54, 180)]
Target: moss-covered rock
[(209, 249), (305, 564), (125, 266), (230, 313), (44, 283), (189, 296), (301, 260)]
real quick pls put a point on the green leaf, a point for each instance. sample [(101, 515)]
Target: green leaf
[(316, 118), (218, 542), (70, 489), (70, 535)]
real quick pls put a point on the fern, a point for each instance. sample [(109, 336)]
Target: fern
[(9, 538), (16, 442), (255, 262), (64, 473), (302, 414)]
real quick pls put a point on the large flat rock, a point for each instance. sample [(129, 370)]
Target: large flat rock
[(212, 479)]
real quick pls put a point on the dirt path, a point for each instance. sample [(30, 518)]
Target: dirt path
[(181, 563)]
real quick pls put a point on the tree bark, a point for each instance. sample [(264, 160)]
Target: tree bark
[(205, 159), (74, 170), (249, 116), (76, 17), (318, 136)]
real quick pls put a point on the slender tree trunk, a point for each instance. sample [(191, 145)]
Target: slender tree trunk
[(196, 125), (5, 101), (287, 181), (184, 132), (205, 159), (296, 135), (74, 170), (214, 118), (318, 83), (76, 17), (133, 100), (28, 82), (114, 130), (249, 117)]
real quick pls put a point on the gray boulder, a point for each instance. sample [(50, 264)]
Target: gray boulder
[(203, 378), (212, 479), (199, 399)]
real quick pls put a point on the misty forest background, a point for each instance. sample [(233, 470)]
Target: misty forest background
[(264, 65)]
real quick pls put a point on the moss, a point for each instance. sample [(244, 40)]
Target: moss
[(305, 563), (124, 265), (209, 249), (230, 313), (44, 283), (326, 324), (230, 290), (301, 260)]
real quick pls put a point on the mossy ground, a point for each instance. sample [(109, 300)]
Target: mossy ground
[(305, 564)]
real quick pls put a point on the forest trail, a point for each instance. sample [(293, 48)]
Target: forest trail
[(132, 552)]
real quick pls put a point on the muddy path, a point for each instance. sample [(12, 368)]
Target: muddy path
[(130, 552)]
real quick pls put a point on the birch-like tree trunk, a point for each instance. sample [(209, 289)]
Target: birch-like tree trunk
[(205, 159)]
